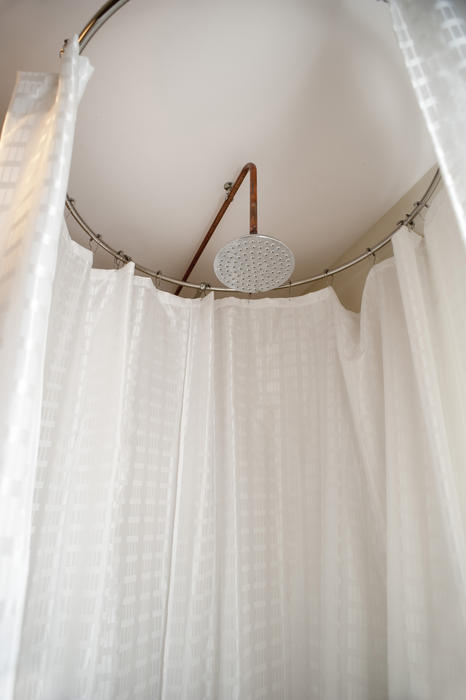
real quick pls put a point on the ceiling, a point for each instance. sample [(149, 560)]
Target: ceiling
[(185, 93)]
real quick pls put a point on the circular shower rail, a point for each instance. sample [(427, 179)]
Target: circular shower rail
[(91, 28)]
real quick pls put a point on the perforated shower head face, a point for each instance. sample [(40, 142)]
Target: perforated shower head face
[(254, 263)]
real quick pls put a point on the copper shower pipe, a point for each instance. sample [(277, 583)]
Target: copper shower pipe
[(91, 28), (252, 170)]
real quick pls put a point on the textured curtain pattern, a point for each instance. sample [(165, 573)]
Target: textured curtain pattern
[(260, 499), (35, 153), (432, 36), (222, 500), (432, 490)]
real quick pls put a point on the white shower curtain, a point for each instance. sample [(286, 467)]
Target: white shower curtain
[(229, 499), (432, 37), (35, 154)]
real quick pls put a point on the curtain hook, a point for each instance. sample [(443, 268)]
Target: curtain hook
[(374, 259), (330, 283), (117, 260), (422, 213), (93, 242), (203, 288), (156, 279), (62, 50), (405, 221), (410, 226), (121, 259), (289, 289)]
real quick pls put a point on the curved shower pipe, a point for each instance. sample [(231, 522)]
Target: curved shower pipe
[(102, 15), (232, 189)]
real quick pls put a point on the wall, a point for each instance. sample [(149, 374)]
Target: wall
[(350, 283)]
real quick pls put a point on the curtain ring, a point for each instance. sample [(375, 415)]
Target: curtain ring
[(422, 213), (93, 242), (330, 283), (405, 221), (62, 50), (203, 288), (156, 279), (374, 259), (289, 289), (118, 262)]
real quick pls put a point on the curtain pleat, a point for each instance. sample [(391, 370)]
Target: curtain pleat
[(243, 499), (35, 154)]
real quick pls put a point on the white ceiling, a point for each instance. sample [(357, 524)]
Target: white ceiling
[(185, 93)]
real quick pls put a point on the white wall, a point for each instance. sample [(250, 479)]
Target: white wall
[(350, 283)]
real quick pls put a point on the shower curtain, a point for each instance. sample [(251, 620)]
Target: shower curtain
[(222, 499), (432, 37)]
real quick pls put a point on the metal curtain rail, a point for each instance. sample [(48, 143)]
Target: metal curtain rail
[(98, 20), (87, 33), (159, 276)]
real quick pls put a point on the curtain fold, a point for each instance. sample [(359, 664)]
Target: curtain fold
[(246, 499), (35, 154), (223, 500), (432, 281)]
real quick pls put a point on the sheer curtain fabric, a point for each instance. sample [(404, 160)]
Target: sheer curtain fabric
[(35, 154), (432, 37), (247, 499)]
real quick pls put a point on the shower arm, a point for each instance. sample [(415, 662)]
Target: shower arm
[(232, 190)]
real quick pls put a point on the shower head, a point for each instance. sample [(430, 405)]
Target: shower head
[(254, 263)]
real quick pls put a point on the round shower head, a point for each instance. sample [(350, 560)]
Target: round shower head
[(254, 263)]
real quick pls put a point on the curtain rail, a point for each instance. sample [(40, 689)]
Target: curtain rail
[(159, 276), (91, 28)]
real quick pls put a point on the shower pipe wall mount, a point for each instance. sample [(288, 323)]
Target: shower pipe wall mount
[(92, 27)]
